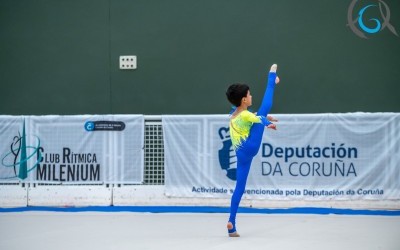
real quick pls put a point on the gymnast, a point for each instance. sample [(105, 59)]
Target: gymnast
[(246, 130)]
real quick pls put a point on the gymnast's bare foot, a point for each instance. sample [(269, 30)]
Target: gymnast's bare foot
[(273, 69)]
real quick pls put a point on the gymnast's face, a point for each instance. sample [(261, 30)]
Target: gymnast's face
[(248, 100)]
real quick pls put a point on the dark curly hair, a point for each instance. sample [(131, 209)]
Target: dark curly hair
[(236, 92)]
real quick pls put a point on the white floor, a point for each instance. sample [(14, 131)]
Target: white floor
[(119, 231)]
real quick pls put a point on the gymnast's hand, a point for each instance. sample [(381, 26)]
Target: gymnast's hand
[(272, 126), (271, 119)]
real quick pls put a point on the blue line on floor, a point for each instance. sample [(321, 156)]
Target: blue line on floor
[(203, 209)]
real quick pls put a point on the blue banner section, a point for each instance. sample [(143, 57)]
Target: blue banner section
[(202, 209)]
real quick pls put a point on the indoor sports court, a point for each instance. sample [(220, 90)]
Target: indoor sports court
[(128, 124), (122, 230)]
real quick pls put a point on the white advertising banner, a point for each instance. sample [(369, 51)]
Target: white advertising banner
[(72, 149), (309, 157)]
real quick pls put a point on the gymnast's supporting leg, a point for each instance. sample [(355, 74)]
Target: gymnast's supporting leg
[(243, 168)]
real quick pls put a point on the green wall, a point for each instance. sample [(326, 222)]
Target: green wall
[(62, 56)]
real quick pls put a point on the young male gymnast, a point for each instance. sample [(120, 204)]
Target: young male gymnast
[(246, 131)]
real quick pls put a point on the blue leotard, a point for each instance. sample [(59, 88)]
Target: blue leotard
[(248, 149)]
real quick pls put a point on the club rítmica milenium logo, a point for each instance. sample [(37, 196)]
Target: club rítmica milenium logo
[(19, 154), (362, 27)]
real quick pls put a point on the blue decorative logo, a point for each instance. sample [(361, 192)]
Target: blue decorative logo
[(89, 126), (377, 25), (18, 157), (226, 155)]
